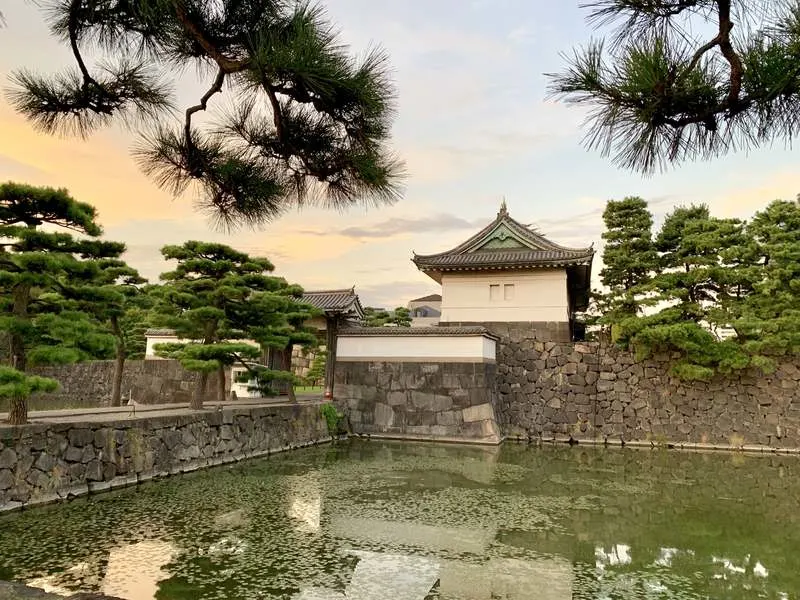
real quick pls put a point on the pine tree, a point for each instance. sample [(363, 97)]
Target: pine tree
[(219, 298), (317, 371), (44, 274), (379, 317), (769, 323), (692, 288), (307, 123), (113, 292), (629, 256), (665, 91)]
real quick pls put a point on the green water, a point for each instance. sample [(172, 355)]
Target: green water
[(374, 521)]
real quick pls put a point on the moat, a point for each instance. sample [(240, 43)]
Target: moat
[(374, 520)]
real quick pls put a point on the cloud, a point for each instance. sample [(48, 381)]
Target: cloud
[(401, 226), (11, 169), (521, 35)]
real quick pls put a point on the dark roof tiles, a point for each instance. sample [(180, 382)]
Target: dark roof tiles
[(339, 301), (419, 331), (533, 250)]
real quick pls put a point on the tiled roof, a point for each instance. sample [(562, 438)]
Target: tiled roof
[(159, 332), (505, 258), (528, 249), (430, 298), (335, 301), (418, 331)]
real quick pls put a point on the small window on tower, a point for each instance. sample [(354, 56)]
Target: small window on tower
[(508, 291), (494, 292)]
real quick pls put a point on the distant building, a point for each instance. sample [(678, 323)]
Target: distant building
[(425, 311), (510, 276)]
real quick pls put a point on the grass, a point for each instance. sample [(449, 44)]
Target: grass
[(308, 389)]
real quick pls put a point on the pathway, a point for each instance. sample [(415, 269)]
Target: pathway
[(139, 411)]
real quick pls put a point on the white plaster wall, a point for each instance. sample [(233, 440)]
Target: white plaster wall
[(419, 347), (424, 321), (539, 295), (150, 351)]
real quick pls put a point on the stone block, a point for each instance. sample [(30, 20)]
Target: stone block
[(478, 413), (6, 479), (449, 418), (94, 471), (45, 462), (171, 438), (430, 402), (80, 437), (604, 385), (8, 458), (571, 368), (384, 416), (190, 452), (397, 398)]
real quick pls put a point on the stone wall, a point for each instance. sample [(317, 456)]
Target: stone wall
[(589, 391), (88, 384), (447, 401), (303, 359), (549, 331), (48, 462)]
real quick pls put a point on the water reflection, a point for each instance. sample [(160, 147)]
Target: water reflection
[(132, 571), (305, 501), (416, 522)]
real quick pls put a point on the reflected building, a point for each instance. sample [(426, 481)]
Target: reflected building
[(410, 577), (304, 497), (134, 571)]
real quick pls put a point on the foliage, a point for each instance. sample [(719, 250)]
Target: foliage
[(317, 371), (48, 277), (379, 317), (16, 384), (665, 91), (333, 418), (307, 123), (629, 256), (723, 293), (217, 297), (769, 321)]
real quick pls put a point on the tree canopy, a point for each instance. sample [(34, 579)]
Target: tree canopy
[(231, 308), (629, 255), (685, 79), (380, 317), (722, 293), (306, 122), (47, 277)]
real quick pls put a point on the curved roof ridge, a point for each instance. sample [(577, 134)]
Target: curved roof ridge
[(529, 237), (350, 290)]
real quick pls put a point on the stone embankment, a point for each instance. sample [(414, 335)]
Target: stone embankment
[(589, 391), (437, 401), (48, 462)]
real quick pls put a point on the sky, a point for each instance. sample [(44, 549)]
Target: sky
[(474, 126)]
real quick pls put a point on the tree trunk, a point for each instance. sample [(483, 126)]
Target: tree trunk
[(199, 392), (330, 363), (116, 385), (287, 364), (18, 415), (221, 384), (119, 363)]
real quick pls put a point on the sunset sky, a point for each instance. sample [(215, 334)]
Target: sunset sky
[(473, 126)]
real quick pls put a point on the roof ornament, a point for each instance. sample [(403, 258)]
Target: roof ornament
[(503, 208)]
